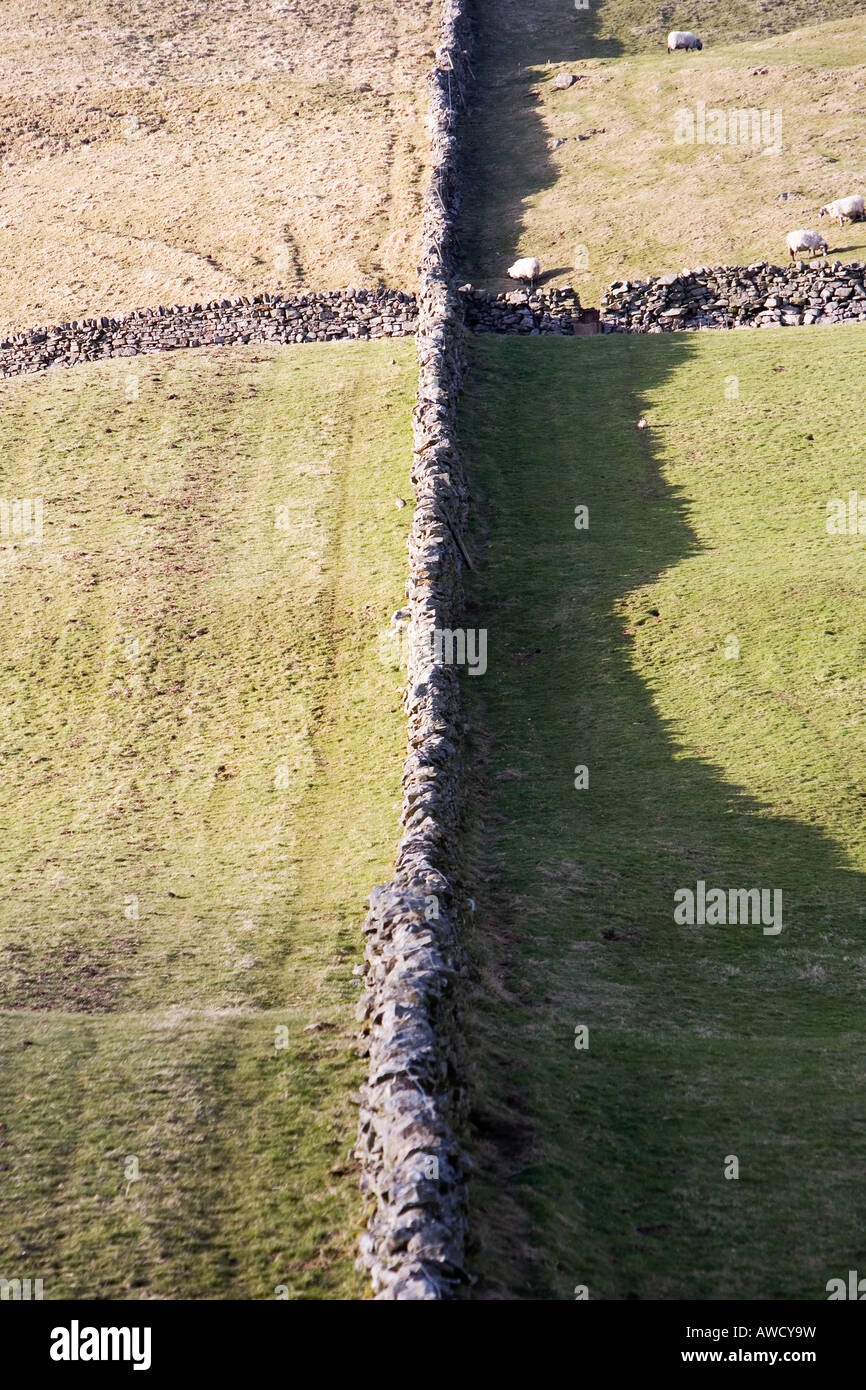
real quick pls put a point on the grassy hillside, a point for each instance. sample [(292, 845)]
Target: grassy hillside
[(611, 28), (170, 152), (613, 648), (618, 196), (630, 26), (202, 742)]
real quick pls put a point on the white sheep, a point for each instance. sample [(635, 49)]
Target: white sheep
[(529, 268), (844, 207), (804, 240), (682, 38)]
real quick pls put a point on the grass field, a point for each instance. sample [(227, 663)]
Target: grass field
[(700, 650), (170, 152), (592, 179), (202, 744)]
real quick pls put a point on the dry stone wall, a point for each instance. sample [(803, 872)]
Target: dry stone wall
[(522, 311), (412, 1103), (266, 318), (755, 296)]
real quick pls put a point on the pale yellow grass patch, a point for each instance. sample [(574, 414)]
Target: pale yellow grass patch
[(163, 153)]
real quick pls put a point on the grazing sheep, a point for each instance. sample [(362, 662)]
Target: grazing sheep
[(529, 268), (681, 38), (844, 207), (804, 240)]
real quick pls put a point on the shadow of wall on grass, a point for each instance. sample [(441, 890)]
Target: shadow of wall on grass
[(607, 1177), (506, 151)]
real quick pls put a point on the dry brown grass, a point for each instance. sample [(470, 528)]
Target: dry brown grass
[(171, 152)]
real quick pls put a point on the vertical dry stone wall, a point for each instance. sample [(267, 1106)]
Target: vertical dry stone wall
[(413, 1170)]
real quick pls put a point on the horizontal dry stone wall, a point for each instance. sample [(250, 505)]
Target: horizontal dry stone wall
[(266, 318), (413, 1101), (755, 296), (721, 297), (276, 318), (521, 311)]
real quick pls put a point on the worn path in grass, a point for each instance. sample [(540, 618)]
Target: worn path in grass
[(612, 648), (592, 179), (202, 740)]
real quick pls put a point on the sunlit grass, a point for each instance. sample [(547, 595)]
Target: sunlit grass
[(202, 741)]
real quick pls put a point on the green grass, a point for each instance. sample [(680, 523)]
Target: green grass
[(202, 743), (593, 181), (607, 648)]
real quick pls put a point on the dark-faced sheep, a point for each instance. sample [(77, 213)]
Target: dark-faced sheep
[(844, 207)]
